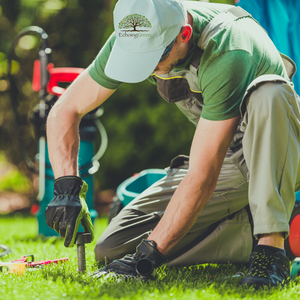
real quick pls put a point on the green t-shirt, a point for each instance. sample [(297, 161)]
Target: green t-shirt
[(232, 59)]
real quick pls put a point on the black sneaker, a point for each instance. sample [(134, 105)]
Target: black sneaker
[(268, 267)]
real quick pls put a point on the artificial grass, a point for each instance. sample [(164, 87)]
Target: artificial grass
[(64, 282)]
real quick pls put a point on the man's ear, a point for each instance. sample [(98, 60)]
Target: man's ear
[(186, 33)]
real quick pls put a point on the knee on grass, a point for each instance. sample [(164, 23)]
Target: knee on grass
[(106, 251), (103, 251)]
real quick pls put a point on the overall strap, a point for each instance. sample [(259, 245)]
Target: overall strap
[(212, 28), (183, 85), (219, 22)]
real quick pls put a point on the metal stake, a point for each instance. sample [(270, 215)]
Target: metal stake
[(82, 238)]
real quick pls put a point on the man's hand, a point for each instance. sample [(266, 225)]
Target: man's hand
[(139, 265), (68, 209)]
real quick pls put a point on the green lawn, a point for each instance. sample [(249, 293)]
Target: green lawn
[(64, 282)]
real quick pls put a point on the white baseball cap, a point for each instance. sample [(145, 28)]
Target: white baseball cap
[(144, 28)]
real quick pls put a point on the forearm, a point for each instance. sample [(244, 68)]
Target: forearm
[(83, 95), (208, 150), (63, 141), (182, 212)]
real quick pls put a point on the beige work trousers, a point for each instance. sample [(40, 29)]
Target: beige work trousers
[(263, 174)]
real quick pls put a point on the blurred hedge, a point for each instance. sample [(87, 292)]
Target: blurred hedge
[(143, 130)]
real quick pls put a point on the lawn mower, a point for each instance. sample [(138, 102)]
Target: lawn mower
[(292, 243)]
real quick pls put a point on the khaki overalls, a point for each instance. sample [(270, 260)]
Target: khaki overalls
[(261, 170)]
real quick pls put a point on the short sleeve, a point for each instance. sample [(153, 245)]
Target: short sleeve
[(96, 68), (223, 83)]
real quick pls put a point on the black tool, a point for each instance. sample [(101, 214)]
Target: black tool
[(144, 268)]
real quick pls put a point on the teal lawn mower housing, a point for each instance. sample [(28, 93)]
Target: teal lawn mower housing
[(132, 187), (135, 185)]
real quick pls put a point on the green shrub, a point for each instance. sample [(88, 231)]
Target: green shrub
[(15, 181)]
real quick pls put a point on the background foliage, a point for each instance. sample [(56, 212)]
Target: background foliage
[(143, 130)]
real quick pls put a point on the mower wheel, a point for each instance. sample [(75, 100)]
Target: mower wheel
[(292, 243)]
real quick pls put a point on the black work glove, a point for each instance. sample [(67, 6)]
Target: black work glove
[(68, 209), (139, 265)]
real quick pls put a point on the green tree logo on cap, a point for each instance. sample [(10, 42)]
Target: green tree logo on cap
[(134, 21)]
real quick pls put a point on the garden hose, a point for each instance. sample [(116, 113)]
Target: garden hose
[(5, 250)]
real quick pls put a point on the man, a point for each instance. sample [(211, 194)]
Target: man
[(221, 69)]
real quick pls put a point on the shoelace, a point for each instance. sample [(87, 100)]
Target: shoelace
[(259, 264)]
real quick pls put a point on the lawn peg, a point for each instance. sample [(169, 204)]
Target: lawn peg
[(82, 238)]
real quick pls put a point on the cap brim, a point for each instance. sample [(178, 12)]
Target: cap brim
[(131, 67)]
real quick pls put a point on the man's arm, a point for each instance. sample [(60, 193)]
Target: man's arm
[(210, 143), (68, 207), (83, 95)]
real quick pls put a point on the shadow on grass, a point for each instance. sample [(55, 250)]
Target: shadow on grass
[(194, 280), (197, 280)]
